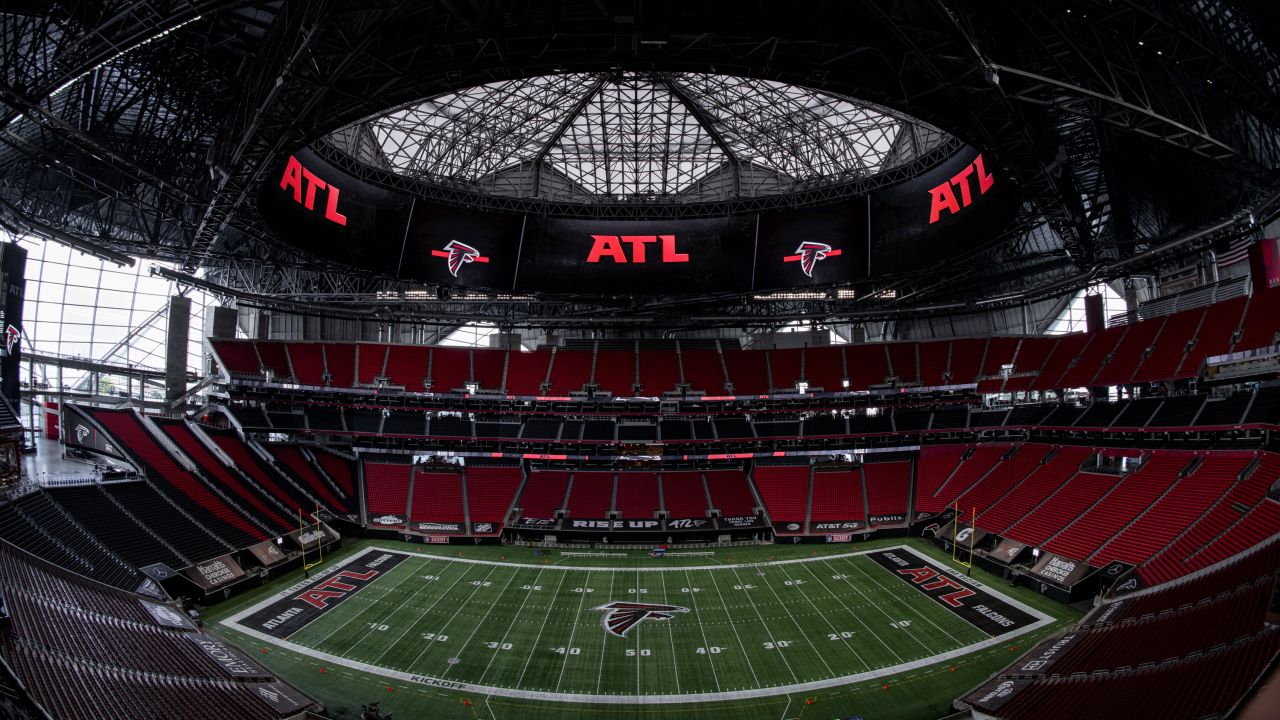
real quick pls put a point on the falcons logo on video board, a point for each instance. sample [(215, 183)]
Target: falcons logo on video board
[(620, 617), (810, 253), (11, 337), (459, 254)]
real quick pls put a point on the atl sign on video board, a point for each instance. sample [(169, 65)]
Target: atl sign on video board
[(332, 214)]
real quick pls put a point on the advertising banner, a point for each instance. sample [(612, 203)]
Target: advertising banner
[(892, 519), (1008, 551), (267, 553), (437, 527), (167, 616), (228, 658), (788, 528), (836, 526), (387, 521), (740, 522), (78, 432), (214, 573), (285, 699), (1060, 571), (649, 525), (691, 524), (528, 523)]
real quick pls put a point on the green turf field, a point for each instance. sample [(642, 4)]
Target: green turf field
[(756, 632)]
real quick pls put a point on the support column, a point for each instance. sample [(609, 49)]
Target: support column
[(175, 356)]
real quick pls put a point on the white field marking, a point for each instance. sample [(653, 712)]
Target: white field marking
[(402, 635), (888, 617), (768, 630), (857, 616), (746, 653), (391, 613), (573, 630), (600, 672), (639, 627), (428, 645), (830, 672), (825, 619), (698, 617), (514, 621), (372, 604), (487, 611), (671, 637), (233, 623), (554, 565), (910, 608), (541, 627)]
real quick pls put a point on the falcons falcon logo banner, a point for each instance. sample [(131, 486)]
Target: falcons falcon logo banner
[(459, 254), (11, 337), (810, 253), (620, 617)]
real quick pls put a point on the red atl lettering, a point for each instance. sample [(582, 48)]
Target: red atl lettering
[(944, 198), (942, 581), (318, 598), (320, 595), (953, 598), (930, 579), (611, 246), (334, 582), (296, 177), (919, 575)]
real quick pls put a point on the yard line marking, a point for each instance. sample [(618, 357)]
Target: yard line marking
[(514, 621), (371, 604), (734, 627), (894, 593), (572, 631), (391, 613), (542, 627), (671, 638), (410, 627), (600, 672), (856, 615), (768, 630), (830, 672), (698, 616), (882, 612), (487, 611), (639, 628), (427, 646), (554, 565), (846, 642)]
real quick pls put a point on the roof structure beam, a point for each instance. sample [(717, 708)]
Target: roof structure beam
[(561, 129), (698, 114)]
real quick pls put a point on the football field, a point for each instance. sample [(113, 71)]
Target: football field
[(654, 633)]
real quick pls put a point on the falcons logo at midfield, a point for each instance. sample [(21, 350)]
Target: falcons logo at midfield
[(620, 617), (458, 254)]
